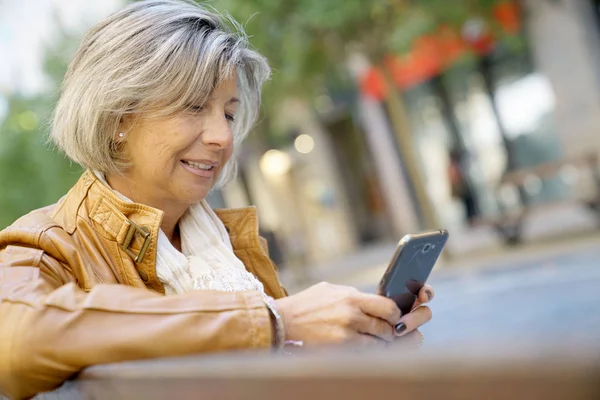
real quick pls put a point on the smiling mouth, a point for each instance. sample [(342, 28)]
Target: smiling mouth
[(199, 166)]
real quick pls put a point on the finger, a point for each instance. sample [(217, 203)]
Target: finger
[(380, 307), (426, 294), (375, 327), (413, 320)]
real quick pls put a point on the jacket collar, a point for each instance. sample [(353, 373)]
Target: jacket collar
[(134, 227)]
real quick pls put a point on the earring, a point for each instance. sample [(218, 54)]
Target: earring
[(121, 135)]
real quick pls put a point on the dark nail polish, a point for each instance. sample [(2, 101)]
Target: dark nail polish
[(429, 294), (400, 327)]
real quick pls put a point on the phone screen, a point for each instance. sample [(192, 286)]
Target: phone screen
[(410, 267)]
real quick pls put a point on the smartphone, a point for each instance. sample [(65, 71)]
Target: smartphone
[(410, 267)]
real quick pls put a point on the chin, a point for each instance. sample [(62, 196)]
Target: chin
[(191, 192), (191, 197)]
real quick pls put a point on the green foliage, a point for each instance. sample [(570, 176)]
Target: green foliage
[(306, 41), (32, 175), (403, 34)]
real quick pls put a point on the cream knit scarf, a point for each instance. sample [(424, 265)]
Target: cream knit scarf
[(207, 260)]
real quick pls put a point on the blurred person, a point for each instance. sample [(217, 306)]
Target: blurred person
[(132, 263), (459, 184)]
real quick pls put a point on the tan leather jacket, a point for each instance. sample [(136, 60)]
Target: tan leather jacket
[(72, 294)]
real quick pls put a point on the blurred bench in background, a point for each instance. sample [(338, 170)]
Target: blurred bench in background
[(473, 372), (580, 174)]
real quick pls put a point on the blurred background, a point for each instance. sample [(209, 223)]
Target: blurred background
[(382, 118)]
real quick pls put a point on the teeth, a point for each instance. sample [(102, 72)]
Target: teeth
[(198, 165)]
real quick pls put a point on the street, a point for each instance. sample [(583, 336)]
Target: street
[(545, 299)]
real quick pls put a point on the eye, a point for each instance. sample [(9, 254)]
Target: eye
[(230, 117)]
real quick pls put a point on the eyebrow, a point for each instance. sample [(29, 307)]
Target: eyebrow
[(233, 100)]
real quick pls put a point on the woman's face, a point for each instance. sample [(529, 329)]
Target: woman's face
[(175, 161)]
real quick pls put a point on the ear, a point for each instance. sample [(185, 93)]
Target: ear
[(126, 123)]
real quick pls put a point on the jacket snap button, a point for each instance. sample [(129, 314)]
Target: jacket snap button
[(144, 276)]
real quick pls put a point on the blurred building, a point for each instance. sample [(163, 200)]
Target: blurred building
[(341, 183), (566, 50)]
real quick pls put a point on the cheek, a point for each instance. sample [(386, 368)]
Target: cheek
[(153, 157), (228, 153), (225, 159), (167, 148), (164, 153), (157, 154)]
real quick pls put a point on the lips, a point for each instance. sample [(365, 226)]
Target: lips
[(202, 168), (205, 165)]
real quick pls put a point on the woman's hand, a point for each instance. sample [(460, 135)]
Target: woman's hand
[(407, 331), (420, 314), (332, 314)]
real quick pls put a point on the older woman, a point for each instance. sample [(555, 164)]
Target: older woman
[(132, 263)]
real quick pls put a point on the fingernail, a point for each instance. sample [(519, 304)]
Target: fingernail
[(429, 294), (399, 328)]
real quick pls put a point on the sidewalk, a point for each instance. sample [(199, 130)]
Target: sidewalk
[(546, 235)]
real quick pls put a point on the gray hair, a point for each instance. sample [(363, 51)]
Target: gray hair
[(157, 57)]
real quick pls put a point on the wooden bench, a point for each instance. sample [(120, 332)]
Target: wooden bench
[(485, 371), (509, 222)]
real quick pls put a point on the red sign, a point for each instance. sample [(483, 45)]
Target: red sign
[(508, 15), (431, 54)]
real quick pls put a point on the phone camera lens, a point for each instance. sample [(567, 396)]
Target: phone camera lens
[(426, 248)]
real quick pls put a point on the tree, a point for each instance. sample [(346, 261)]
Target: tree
[(308, 41), (32, 175)]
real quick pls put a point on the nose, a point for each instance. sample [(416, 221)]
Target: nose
[(218, 132)]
